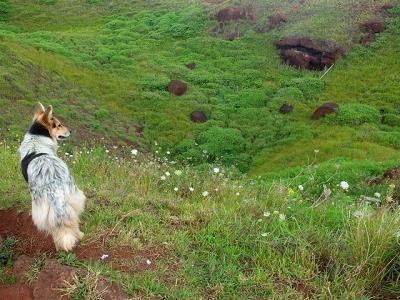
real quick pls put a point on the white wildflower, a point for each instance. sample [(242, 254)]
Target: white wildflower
[(358, 214), (316, 150), (168, 173), (301, 187), (134, 152), (191, 189), (264, 234), (163, 177), (216, 170), (344, 186), (175, 189), (148, 261), (377, 195), (205, 194), (267, 214), (237, 194), (107, 151), (276, 212), (168, 152), (178, 172), (282, 217), (104, 256)]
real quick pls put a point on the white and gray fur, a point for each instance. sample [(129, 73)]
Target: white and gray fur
[(56, 200)]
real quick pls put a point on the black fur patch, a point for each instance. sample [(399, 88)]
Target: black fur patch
[(39, 129), (26, 161)]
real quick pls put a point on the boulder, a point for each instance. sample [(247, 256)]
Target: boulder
[(52, 277), (191, 66), (276, 20), (177, 87), (22, 265), (373, 26), (198, 117), (286, 108), (235, 14), (306, 53), (325, 109), (110, 291)]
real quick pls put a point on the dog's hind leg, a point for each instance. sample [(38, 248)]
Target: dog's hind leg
[(67, 234)]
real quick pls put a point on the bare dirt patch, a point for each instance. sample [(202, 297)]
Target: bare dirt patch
[(31, 242), (19, 225)]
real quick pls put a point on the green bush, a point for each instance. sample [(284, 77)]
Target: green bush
[(102, 113), (357, 114), (4, 8), (311, 87), (391, 120)]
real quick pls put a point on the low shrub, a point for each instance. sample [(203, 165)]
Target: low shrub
[(357, 114)]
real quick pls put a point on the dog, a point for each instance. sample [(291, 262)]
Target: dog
[(56, 200)]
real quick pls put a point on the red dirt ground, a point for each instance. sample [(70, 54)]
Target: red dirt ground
[(18, 224), (32, 242)]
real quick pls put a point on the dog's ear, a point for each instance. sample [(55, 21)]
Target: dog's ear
[(39, 111), (48, 114)]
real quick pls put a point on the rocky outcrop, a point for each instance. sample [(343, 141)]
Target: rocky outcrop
[(324, 110), (177, 87), (306, 53), (198, 117)]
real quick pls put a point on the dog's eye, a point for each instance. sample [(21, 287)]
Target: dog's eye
[(59, 125)]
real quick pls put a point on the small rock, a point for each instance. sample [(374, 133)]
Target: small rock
[(177, 87), (110, 291), (191, 66), (286, 108), (21, 266), (325, 109), (198, 117), (276, 20), (52, 277), (373, 26)]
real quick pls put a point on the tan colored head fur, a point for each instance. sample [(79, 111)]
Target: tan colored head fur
[(45, 117)]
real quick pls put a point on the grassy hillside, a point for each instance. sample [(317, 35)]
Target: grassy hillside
[(106, 67)]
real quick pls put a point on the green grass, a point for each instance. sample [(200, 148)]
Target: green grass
[(226, 245)]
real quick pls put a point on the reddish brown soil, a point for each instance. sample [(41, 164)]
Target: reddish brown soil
[(31, 242), (20, 225)]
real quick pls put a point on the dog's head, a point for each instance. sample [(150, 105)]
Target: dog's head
[(45, 118)]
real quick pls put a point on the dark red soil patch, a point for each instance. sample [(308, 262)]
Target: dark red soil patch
[(325, 109), (191, 66), (392, 174), (276, 20), (373, 26), (306, 53), (198, 117), (286, 108), (124, 258), (19, 291), (31, 243), (235, 14), (177, 87), (20, 226)]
